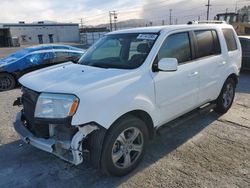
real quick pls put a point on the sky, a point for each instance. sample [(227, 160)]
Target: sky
[(94, 12)]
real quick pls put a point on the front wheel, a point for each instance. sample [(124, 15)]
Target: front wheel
[(226, 97), (124, 146), (7, 82)]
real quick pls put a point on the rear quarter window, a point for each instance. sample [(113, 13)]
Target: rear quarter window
[(230, 39)]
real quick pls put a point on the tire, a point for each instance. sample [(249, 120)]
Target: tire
[(95, 145), (124, 146), (226, 97), (7, 82)]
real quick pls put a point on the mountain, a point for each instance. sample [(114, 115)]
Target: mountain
[(127, 24)]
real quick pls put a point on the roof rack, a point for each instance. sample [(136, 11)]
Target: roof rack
[(207, 22)]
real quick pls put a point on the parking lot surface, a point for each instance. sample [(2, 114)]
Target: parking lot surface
[(205, 151)]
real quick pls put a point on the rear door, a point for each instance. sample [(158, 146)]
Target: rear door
[(208, 56), (176, 92)]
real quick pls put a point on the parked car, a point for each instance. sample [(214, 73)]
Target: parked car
[(245, 45), (125, 87), (33, 58)]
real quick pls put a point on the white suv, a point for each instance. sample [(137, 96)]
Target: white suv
[(127, 85)]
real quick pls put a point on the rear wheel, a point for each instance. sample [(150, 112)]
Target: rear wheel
[(7, 82), (124, 146), (226, 97)]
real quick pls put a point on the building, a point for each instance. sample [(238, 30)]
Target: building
[(238, 20), (229, 17), (244, 14), (38, 33)]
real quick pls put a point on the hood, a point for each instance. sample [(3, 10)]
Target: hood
[(8, 60), (71, 78)]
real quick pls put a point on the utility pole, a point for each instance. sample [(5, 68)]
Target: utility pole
[(113, 18), (81, 23), (170, 16), (110, 21), (163, 22), (208, 8), (236, 6)]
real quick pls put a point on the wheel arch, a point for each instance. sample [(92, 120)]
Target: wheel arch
[(234, 77), (142, 115), (12, 74), (103, 133)]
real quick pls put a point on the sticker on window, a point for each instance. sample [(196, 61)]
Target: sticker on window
[(146, 36)]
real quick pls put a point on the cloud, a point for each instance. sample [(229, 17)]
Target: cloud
[(96, 11), (61, 10), (183, 10)]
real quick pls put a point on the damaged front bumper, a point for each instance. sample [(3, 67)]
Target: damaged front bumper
[(68, 149)]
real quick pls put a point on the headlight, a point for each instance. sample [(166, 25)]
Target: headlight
[(51, 105)]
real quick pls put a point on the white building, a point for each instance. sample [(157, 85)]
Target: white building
[(38, 33)]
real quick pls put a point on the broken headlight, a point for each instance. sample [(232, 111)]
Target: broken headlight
[(51, 105)]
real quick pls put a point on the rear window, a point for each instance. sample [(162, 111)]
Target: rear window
[(207, 43), (230, 39)]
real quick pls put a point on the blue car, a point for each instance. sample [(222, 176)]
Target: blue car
[(29, 59)]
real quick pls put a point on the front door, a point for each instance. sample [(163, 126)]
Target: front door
[(177, 92)]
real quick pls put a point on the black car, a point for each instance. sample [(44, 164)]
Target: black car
[(245, 45), (33, 58)]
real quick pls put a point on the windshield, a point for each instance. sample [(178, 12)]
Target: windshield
[(18, 54), (121, 51)]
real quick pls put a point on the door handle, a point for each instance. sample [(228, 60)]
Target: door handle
[(193, 74)]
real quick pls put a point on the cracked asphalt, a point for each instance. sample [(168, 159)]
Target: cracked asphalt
[(206, 151)]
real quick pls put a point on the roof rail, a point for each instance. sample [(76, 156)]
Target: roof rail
[(207, 22)]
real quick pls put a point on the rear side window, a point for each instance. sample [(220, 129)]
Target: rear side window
[(176, 46), (207, 43), (230, 39)]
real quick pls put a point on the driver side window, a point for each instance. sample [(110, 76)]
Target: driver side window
[(176, 46)]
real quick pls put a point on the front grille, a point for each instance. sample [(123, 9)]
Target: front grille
[(29, 99)]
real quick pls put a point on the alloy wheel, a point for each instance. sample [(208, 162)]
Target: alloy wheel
[(228, 95), (5, 83), (127, 147)]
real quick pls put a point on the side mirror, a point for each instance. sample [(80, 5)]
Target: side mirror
[(168, 64)]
